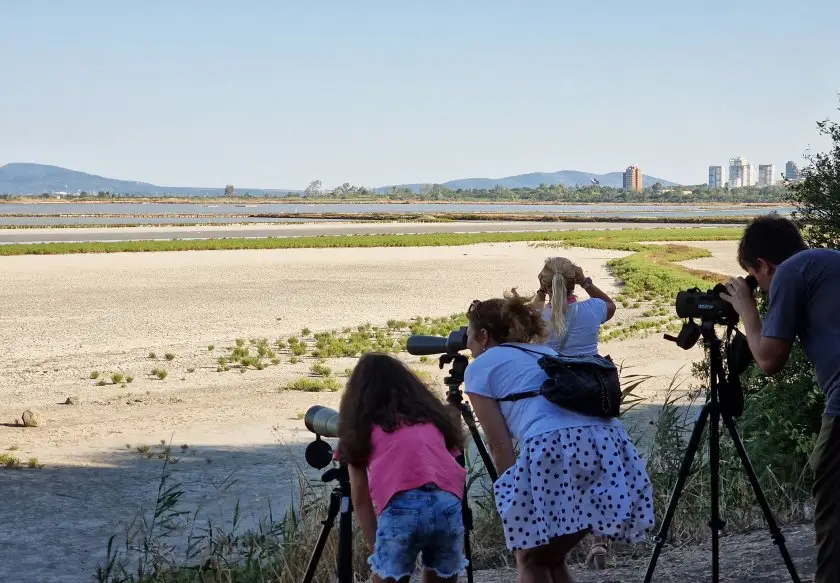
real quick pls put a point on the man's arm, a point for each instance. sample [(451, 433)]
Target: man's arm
[(770, 341), (770, 354)]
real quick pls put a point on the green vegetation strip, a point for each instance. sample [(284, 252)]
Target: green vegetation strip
[(619, 239)]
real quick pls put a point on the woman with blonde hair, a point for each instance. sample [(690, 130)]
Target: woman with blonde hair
[(573, 330)]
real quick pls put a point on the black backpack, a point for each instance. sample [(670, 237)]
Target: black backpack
[(585, 384)]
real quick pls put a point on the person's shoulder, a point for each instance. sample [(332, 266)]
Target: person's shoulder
[(804, 261)]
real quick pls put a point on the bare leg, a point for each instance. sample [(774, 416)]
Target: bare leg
[(554, 556), (529, 569), (560, 574), (377, 579), (597, 557), (430, 576)]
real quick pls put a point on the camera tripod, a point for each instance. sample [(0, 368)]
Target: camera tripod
[(339, 503), (712, 413), (454, 397)]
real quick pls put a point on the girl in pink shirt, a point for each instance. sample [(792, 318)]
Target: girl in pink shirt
[(400, 441)]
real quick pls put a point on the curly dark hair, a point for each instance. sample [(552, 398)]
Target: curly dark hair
[(508, 319), (383, 391)]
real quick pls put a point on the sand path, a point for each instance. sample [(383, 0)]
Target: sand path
[(64, 316)]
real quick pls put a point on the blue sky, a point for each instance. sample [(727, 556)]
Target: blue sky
[(270, 94)]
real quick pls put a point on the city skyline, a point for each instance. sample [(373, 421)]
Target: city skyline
[(740, 172)]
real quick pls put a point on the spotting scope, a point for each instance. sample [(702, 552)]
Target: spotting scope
[(425, 345), (322, 421)]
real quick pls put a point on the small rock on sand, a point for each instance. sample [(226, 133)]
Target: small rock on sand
[(32, 418), (72, 401)]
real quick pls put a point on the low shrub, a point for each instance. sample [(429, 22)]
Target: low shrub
[(310, 385)]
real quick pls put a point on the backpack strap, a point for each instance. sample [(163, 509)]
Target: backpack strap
[(525, 394)]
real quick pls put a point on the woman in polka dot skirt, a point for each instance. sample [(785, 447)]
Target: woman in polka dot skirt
[(574, 475)]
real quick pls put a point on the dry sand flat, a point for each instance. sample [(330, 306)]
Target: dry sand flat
[(64, 316)]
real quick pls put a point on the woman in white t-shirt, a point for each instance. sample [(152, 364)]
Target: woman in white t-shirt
[(574, 327), (574, 475)]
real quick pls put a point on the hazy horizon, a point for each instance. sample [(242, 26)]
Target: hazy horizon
[(276, 95)]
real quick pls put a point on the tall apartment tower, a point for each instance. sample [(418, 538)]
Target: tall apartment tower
[(633, 179), (741, 173), (766, 174), (791, 171), (716, 177)]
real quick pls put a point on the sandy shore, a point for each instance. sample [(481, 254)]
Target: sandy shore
[(65, 316)]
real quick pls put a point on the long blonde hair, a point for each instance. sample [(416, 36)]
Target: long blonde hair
[(562, 274)]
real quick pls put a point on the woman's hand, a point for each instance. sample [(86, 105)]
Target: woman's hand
[(579, 276)]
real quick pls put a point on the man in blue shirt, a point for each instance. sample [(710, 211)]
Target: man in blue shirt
[(804, 294)]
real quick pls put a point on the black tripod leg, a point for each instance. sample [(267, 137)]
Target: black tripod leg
[(775, 532), (332, 512), (466, 413), (714, 469), (468, 524), (685, 470), (345, 540)]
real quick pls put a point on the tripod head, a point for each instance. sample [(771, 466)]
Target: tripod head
[(339, 474), (724, 385), (455, 378)]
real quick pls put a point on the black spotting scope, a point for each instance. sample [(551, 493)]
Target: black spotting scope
[(452, 344), (322, 421), (694, 303)]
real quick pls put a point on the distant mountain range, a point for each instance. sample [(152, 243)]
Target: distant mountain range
[(26, 178)]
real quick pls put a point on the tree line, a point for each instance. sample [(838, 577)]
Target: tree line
[(541, 194)]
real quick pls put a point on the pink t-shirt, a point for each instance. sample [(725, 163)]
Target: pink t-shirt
[(411, 457)]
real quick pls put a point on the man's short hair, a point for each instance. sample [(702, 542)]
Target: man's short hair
[(769, 237)]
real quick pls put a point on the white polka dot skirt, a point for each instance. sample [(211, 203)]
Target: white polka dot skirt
[(569, 480)]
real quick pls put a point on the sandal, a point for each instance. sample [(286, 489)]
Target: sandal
[(597, 557)]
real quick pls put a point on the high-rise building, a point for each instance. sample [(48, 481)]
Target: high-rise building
[(633, 179), (716, 177), (741, 173), (766, 174), (791, 171)]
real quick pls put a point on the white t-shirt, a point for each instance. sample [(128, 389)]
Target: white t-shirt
[(584, 320), (502, 371)]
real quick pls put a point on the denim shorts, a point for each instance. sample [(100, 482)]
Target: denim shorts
[(425, 521)]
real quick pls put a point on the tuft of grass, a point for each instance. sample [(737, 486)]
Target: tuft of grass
[(240, 342), (117, 378), (320, 369), (152, 356), (305, 332), (129, 379), (94, 375), (160, 373), (310, 385), (294, 360), (211, 347), (101, 383), (11, 462), (169, 356)]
